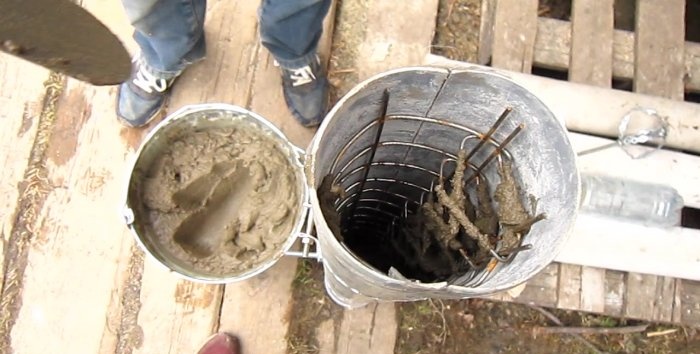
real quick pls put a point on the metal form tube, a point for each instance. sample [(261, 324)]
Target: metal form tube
[(356, 210)]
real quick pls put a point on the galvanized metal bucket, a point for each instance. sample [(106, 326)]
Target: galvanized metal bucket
[(430, 112), (211, 116)]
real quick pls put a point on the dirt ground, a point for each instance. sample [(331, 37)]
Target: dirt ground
[(479, 326), (475, 325)]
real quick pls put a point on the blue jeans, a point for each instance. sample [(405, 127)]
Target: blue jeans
[(170, 33)]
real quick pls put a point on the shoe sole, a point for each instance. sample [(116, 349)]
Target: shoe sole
[(127, 124)]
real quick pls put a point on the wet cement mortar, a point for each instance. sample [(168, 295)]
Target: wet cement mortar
[(220, 201)]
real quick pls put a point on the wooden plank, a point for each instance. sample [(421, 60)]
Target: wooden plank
[(591, 63), (396, 40), (690, 303), (226, 74), (256, 309), (553, 46), (640, 294), (21, 95), (591, 44), (569, 287), (515, 28), (541, 290), (676, 316), (615, 292), (371, 329), (591, 102), (485, 47), (593, 289), (69, 234), (659, 54), (176, 315), (325, 334), (659, 48), (75, 257), (623, 54), (664, 299)]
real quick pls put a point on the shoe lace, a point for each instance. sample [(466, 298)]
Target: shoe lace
[(302, 76), (147, 82)]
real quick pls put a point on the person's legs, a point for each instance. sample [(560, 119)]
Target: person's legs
[(290, 30), (170, 34)]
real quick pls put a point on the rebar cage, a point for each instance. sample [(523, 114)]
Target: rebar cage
[(392, 138)]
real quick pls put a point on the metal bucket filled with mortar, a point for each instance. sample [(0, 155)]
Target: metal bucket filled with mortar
[(377, 192), (217, 194)]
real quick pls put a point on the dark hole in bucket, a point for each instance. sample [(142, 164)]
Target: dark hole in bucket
[(414, 211)]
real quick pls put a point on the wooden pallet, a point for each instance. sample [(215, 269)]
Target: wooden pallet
[(661, 64), (554, 45)]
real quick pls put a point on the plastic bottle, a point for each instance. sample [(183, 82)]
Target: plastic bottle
[(645, 203)]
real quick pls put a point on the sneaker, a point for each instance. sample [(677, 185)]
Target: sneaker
[(306, 92), (220, 343), (141, 98)]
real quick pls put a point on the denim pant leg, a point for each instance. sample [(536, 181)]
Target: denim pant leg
[(290, 29), (170, 33)]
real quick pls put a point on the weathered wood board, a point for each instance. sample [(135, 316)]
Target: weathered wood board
[(371, 329), (75, 256), (592, 42), (590, 63), (78, 231), (553, 50), (659, 48), (21, 96), (514, 32)]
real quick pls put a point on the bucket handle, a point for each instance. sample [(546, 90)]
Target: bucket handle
[(307, 239)]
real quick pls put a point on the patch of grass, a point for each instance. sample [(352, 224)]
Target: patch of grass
[(608, 322), (307, 305), (303, 276), (297, 345), (310, 307)]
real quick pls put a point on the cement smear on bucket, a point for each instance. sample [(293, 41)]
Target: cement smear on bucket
[(220, 201)]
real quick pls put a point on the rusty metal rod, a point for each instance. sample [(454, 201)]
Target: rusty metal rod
[(497, 151), (589, 330), (484, 138), (380, 127)]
